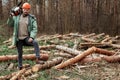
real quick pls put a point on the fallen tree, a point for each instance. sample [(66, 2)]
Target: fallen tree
[(82, 56)]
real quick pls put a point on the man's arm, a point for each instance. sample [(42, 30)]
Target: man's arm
[(10, 21), (34, 30)]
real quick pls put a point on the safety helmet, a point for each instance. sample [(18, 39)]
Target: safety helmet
[(26, 6)]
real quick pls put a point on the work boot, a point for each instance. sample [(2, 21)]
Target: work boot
[(20, 68), (38, 61)]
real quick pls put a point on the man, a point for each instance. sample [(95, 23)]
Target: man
[(25, 30)]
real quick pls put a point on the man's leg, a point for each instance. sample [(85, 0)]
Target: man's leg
[(36, 47), (19, 46)]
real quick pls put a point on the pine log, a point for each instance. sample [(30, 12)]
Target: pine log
[(90, 59), (106, 40), (75, 34), (98, 36), (63, 55), (87, 39), (47, 65), (103, 51), (7, 77), (8, 41), (111, 59), (28, 72), (89, 35), (27, 56), (92, 44), (18, 75), (115, 46), (41, 47), (76, 58), (83, 55), (69, 50), (11, 47), (76, 43), (50, 38)]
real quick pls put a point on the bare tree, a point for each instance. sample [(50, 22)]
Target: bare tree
[(1, 11)]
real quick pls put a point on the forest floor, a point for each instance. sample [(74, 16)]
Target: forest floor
[(91, 70)]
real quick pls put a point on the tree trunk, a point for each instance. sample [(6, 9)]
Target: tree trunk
[(69, 50), (27, 56), (84, 45), (114, 58), (41, 47), (90, 59), (18, 75), (47, 65), (1, 11)]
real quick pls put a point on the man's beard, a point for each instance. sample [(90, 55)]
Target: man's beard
[(25, 14)]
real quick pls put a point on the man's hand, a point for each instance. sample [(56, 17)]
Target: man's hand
[(30, 40)]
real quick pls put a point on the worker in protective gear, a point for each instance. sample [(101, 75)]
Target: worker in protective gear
[(25, 30)]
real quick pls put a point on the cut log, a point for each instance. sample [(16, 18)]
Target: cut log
[(41, 47), (8, 41), (63, 55), (28, 72), (115, 46), (47, 65), (69, 50), (89, 35), (104, 52), (75, 34), (114, 58), (90, 59), (87, 39), (106, 40), (11, 47), (83, 55), (76, 43), (32, 56), (7, 77), (18, 75), (98, 36), (76, 58), (27, 56), (50, 38), (92, 44)]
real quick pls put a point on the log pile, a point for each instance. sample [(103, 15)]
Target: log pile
[(87, 48)]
